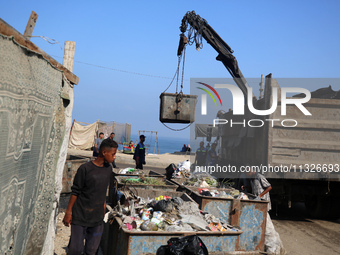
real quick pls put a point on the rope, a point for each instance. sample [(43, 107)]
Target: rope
[(182, 70), (49, 40), (119, 70), (177, 129)]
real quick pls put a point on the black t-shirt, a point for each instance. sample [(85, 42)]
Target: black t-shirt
[(90, 186)]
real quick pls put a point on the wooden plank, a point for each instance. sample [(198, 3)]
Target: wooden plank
[(7, 30), (30, 25), (69, 48)]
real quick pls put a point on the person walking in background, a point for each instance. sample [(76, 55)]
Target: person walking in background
[(139, 155), (97, 143), (87, 204), (212, 155), (201, 155), (111, 137)]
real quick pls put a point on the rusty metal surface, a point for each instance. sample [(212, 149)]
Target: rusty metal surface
[(70, 170), (253, 219), (249, 215), (126, 242), (117, 240)]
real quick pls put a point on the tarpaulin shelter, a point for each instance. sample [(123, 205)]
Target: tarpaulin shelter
[(83, 134), (205, 130)]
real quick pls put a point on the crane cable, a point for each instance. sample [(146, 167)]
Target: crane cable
[(180, 58)]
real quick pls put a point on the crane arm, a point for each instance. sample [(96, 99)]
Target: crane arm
[(202, 28)]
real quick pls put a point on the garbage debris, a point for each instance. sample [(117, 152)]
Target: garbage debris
[(143, 180), (165, 213), (181, 171), (184, 245)]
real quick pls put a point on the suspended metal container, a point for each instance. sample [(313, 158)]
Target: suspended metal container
[(177, 108)]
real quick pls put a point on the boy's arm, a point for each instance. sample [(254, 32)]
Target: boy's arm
[(266, 191), (68, 215), (95, 146)]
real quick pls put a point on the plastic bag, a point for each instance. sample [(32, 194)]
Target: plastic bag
[(186, 245), (170, 170), (163, 206)]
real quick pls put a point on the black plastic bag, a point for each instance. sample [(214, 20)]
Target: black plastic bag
[(170, 170), (187, 245), (163, 206)]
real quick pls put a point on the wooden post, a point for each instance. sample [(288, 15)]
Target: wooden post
[(68, 60), (30, 25)]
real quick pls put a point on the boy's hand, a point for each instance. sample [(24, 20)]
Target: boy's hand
[(67, 219)]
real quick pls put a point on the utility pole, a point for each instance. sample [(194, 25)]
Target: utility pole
[(30, 25), (69, 49)]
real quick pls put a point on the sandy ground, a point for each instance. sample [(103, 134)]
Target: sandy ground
[(153, 160), (63, 233), (300, 234)]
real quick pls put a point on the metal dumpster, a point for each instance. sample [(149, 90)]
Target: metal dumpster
[(249, 215), (70, 169), (117, 240)]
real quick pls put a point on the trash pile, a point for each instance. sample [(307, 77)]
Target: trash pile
[(181, 171), (131, 171), (143, 180), (164, 213), (202, 180)]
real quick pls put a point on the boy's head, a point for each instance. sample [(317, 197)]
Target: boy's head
[(108, 149), (142, 138), (101, 135), (112, 135), (251, 173)]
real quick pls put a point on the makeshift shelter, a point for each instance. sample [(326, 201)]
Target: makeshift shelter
[(83, 134), (205, 130), (36, 101)]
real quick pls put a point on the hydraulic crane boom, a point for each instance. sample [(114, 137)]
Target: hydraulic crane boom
[(225, 55)]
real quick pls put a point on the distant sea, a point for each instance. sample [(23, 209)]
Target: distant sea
[(165, 144)]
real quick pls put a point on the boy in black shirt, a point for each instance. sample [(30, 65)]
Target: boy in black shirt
[(86, 208)]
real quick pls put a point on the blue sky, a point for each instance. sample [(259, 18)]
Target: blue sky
[(290, 39)]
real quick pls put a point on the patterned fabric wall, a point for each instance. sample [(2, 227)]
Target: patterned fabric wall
[(32, 125)]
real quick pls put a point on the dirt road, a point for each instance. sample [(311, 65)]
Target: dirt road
[(302, 235)]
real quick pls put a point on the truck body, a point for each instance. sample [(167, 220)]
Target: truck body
[(300, 158)]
